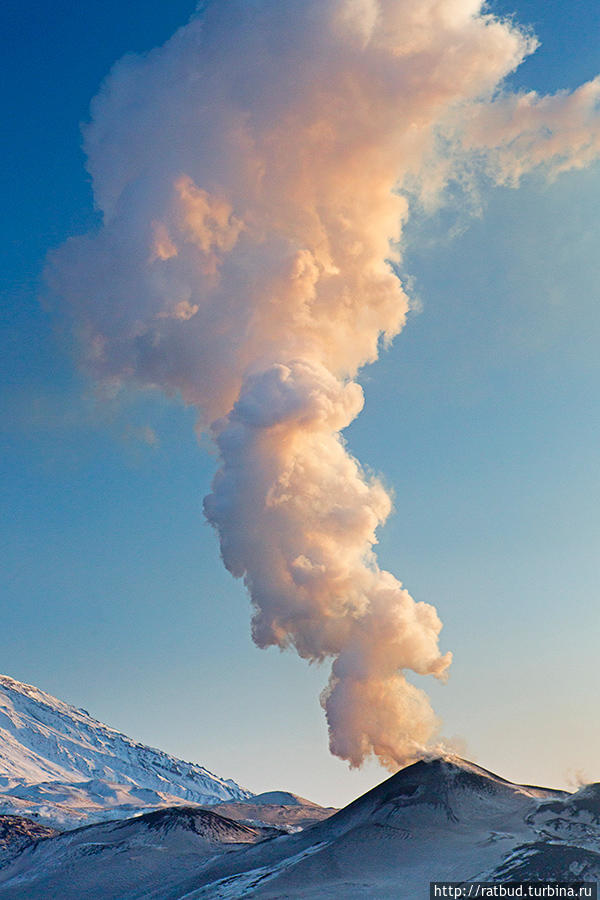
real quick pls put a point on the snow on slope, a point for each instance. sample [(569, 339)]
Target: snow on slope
[(62, 767), (142, 857), (281, 798), (441, 819), (281, 809), (437, 820)]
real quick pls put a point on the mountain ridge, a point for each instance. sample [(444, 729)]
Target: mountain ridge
[(439, 819), (62, 767), (442, 818)]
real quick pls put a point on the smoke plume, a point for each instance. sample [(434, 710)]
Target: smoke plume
[(251, 175)]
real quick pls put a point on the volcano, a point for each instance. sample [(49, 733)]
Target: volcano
[(200, 837)]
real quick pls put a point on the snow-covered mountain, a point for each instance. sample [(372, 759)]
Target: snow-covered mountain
[(280, 809), (437, 820), (61, 767), (144, 857)]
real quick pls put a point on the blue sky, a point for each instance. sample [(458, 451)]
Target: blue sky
[(482, 418)]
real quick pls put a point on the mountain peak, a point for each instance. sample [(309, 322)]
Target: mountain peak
[(36, 695), (455, 772), (449, 784), (62, 766), (281, 798)]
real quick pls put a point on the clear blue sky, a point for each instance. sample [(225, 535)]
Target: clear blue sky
[(483, 418)]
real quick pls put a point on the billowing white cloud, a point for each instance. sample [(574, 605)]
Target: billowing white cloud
[(249, 175)]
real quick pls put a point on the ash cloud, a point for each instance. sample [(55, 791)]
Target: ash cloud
[(249, 174)]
